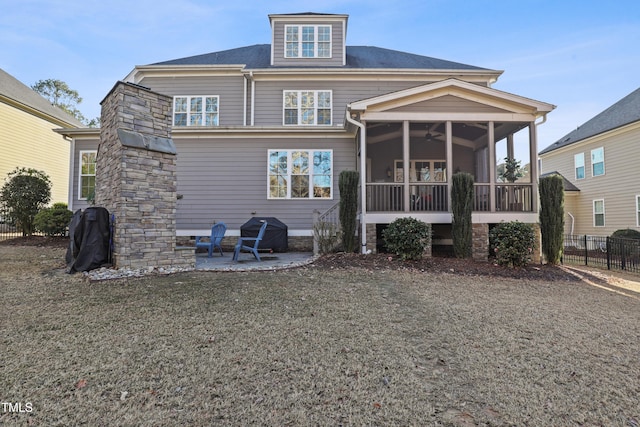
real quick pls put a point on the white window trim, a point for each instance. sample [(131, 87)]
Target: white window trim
[(188, 112), (80, 174), (315, 116), (603, 165), (290, 174), (315, 41), (604, 220), (638, 210), (576, 166)]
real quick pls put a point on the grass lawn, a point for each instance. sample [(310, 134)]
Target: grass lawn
[(312, 346)]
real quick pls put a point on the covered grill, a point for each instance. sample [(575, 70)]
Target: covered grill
[(275, 236)]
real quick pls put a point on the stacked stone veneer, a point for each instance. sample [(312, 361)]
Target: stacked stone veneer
[(137, 181), (480, 242)]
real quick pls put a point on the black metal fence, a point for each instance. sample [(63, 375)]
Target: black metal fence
[(612, 253), (8, 232)]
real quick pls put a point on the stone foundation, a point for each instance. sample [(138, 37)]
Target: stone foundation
[(480, 242), (372, 238)]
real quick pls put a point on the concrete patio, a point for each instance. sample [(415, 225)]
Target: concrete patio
[(247, 262)]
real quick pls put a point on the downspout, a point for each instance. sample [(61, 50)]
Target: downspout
[(244, 100), (363, 186), (253, 97), (72, 156), (573, 221)]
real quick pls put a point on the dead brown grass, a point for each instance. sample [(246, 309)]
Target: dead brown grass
[(313, 346)]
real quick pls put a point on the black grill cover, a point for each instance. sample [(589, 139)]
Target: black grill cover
[(275, 236), (89, 240)]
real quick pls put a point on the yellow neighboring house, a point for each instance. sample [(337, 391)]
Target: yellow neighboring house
[(599, 161), (27, 139)]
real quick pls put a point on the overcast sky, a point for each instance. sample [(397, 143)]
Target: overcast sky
[(581, 56)]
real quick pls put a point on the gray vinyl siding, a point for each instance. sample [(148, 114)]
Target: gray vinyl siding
[(448, 103), (80, 145), (618, 187), (226, 180), (230, 89), (337, 46), (269, 102)]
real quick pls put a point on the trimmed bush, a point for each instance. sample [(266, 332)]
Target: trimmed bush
[(407, 237), (53, 221), (25, 192), (512, 243), (461, 208), (626, 233), (625, 243), (551, 191), (348, 183)]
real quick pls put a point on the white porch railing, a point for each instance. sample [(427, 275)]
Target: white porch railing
[(433, 197)]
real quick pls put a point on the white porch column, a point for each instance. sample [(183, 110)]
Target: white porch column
[(449, 159), (510, 152), (492, 167), (406, 138), (363, 187), (533, 165)]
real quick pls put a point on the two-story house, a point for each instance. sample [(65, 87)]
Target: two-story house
[(598, 161), (265, 130), (26, 123)]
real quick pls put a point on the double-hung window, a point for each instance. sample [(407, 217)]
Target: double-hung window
[(307, 41), (598, 213), (578, 162), (87, 175), (196, 110), (300, 174), (597, 162), (307, 107)]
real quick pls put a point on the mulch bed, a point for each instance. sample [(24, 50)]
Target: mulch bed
[(39, 241), (379, 262), (438, 264)]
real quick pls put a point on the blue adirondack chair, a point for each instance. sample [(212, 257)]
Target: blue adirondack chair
[(250, 243), (217, 234)]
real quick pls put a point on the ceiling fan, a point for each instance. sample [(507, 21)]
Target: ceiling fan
[(429, 137)]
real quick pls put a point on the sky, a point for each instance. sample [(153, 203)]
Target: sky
[(580, 55)]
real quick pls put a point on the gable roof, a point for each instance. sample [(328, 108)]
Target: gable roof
[(370, 57), (507, 101), (25, 98), (623, 112)]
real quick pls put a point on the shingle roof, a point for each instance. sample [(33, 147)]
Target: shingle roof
[(568, 186), (623, 112), (259, 56), (12, 88)]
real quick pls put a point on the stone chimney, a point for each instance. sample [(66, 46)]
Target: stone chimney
[(136, 177)]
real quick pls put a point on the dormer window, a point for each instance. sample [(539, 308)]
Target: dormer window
[(307, 41)]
